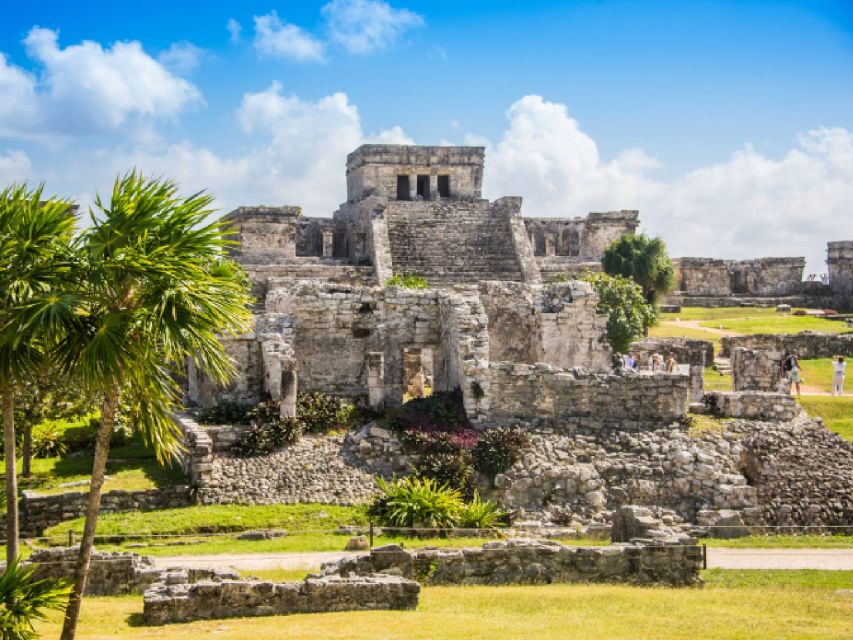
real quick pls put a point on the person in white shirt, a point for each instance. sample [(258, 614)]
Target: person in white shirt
[(838, 377)]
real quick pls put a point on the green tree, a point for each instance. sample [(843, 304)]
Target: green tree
[(23, 600), (628, 313), (644, 260), (153, 289), (35, 236)]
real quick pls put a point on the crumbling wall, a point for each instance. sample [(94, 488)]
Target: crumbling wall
[(693, 353), (263, 235), (542, 393), (753, 405), (806, 344), (759, 277), (757, 370), (839, 261), (168, 602), (584, 238)]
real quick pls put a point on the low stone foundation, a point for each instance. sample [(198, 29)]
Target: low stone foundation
[(807, 344), (165, 603), (532, 562), (753, 405)]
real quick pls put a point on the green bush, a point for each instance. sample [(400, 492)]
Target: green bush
[(416, 502), (226, 412), (268, 431), (628, 313), (407, 281), (481, 514), (498, 449), (48, 441), (320, 412), (451, 468)]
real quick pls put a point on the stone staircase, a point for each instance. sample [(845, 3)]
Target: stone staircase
[(448, 243)]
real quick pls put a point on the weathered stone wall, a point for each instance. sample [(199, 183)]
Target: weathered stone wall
[(41, 511), (110, 574), (695, 354), (542, 393), (372, 170), (806, 344), (166, 603), (753, 405), (754, 370), (758, 277), (532, 562), (839, 261), (246, 387), (263, 235), (584, 238), (556, 324), (315, 237)]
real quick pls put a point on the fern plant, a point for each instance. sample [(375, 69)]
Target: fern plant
[(416, 503), (24, 600)]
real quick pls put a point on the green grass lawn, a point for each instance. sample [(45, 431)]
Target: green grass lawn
[(715, 381), (780, 323), (805, 541), (720, 313), (734, 605), (837, 412), (130, 467)]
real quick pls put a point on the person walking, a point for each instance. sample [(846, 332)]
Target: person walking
[(792, 370), (839, 367)]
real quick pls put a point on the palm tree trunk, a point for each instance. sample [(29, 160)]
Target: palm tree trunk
[(27, 452), (81, 576), (11, 479)]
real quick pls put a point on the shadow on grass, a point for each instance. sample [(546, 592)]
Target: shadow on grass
[(136, 620)]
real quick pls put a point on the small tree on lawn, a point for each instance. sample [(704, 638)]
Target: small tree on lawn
[(644, 260), (35, 237), (153, 290), (628, 313)]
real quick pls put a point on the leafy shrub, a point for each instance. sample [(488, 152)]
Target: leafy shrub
[(268, 432), (481, 514), (444, 410), (407, 281), (560, 278), (416, 502), (24, 600), (48, 441), (628, 312), (320, 412), (226, 412), (499, 449), (451, 468)]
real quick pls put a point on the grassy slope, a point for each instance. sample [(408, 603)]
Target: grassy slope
[(778, 324), (734, 605), (837, 412)]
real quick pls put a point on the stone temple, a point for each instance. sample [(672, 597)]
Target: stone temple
[(496, 321)]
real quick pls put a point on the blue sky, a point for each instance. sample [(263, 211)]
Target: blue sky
[(727, 123)]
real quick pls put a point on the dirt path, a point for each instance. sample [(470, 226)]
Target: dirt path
[(719, 558), (695, 324)]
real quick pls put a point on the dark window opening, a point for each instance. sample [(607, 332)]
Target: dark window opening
[(444, 186), (403, 188), (423, 187)]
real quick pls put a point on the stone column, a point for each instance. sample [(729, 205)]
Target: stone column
[(413, 373), (289, 388), (328, 243), (550, 248), (376, 380)]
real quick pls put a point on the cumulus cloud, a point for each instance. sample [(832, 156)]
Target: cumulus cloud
[(366, 26), (277, 39), (86, 88), (182, 57), (15, 166), (234, 30), (749, 205)]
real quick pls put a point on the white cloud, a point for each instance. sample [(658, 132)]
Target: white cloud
[(365, 26), (182, 58), (15, 166), (277, 39), (85, 88), (234, 30), (750, 205)]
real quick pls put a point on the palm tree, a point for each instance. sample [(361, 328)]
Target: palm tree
[(644, 260), (34, 242), (153, 290), (23, 600)]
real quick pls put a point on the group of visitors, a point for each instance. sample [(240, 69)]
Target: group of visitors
[(813, 277), (791, 370), (656, 362)]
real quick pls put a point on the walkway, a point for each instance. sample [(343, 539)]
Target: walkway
[(719, 558)]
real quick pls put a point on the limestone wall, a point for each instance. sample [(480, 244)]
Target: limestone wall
[(753, 405), (540, 392), (557, 324), (263, 235), (585, 238), (840, 268), (166, 603), (757, 370), (806, 344), (522, 561), (759, 277), (696, 354)]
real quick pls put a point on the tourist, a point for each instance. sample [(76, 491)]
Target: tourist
[(791, 370), (838, 376), (824, 278), (671, 363), (628, 361), (657, 362)]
